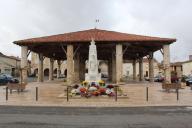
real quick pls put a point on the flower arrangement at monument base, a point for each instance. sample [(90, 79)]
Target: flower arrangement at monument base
[(88, 89)]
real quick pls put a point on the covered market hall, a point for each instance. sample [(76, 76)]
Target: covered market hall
[(114, 47)]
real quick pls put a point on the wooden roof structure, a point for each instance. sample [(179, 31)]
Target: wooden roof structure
[(134, 46)]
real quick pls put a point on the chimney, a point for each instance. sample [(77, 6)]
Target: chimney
[(190, 57)]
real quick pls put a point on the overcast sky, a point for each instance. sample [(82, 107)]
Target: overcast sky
[(20, 19)]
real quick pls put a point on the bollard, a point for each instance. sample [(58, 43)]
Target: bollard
[(6, 93), (147, 93), (115, 93), (177, 90), (36, 93), (67, 93)]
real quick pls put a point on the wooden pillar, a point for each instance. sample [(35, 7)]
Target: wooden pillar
[(166, 63), (70, 69), (24, 67), (40, 68), (119, 62)]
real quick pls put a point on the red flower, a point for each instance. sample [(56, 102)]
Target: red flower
[(83, 90), (102, 90)]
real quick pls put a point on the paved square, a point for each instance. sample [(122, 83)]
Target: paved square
[(50, 95)]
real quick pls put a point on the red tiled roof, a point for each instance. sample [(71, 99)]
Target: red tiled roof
[(96, 34)]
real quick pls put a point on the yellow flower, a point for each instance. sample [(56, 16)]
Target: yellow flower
[(101, 82), (84, 83)]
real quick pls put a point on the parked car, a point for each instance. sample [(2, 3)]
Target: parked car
[(32, 75), (104, 75), (189, 81), (62, 76), (2, 80), (158, 79), (184, 78), (5, 78), (174, 79), (146, 78)]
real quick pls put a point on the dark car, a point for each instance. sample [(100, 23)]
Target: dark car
[(189, 81), (174, 79), (104, 76), (184, 78), (4, 79), (158, 79), (32, 75)]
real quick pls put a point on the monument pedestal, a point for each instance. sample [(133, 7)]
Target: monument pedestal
[(92, 78)]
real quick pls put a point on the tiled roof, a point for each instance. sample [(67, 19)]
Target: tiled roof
[(11, 57), (96, 34)]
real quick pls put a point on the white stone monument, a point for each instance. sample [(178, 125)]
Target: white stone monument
[(93, 75)]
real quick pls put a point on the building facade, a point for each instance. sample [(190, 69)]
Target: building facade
[(128, 69), (182, 68), (59, 67), (187, 68), (9, 65)]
